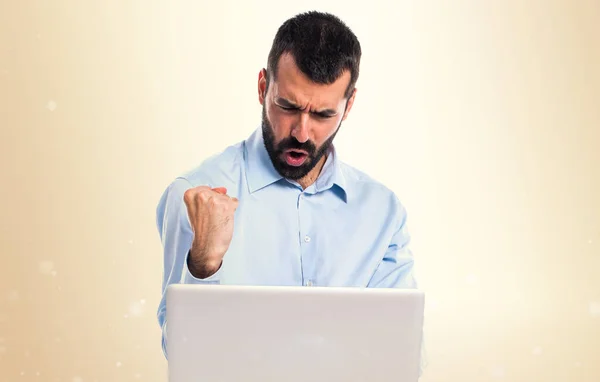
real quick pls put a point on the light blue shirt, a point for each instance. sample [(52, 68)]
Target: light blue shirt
[(346, 229)]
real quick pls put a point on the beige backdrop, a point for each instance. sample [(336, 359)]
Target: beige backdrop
[(484, 117)]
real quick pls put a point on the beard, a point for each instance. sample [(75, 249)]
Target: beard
[(276, 150)]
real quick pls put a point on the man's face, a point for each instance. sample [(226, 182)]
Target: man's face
[(300, 118)]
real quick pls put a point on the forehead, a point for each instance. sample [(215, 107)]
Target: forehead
[(295, 86)]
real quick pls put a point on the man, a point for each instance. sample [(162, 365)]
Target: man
[(280, 208)]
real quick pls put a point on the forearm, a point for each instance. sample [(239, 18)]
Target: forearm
[(200, 265), (177, 238)]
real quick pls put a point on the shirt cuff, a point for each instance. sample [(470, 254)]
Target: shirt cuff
[(164, 340), (188, 278)]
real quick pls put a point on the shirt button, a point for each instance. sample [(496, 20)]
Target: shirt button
[(307, 239), (309, 283)]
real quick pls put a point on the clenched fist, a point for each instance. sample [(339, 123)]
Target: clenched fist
[(210, 211)]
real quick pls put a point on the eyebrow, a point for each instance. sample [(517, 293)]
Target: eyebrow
[(289, 104)]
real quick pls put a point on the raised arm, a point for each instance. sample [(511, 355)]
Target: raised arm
[(178, 243)]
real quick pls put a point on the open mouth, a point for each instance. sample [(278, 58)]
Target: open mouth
[(295, 157)]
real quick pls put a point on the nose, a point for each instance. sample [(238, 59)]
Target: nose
[(300, 130)]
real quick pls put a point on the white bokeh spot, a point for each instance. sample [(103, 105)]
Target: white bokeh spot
[(119, 364), (136, 308), (51, 105), (2, 349), (595, 308), (138, 376), (46, 267), (537, 351), (77, 379)]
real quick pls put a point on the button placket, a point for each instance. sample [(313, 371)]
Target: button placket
[(305, 241)]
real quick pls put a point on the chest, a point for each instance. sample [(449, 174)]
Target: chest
[(304, 240)]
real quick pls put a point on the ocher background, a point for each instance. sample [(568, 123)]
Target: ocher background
[(484, 117)]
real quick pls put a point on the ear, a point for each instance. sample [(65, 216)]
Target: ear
[(349, 104), (262, 86)]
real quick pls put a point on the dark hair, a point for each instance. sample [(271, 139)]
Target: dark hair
[(322, 46)]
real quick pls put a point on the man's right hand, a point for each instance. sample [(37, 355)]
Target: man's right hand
[(211, 212)]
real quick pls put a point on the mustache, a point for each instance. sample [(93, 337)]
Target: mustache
[(293, 143)]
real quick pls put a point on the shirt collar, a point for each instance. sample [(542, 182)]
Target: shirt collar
[(332, 175), (261, 172)]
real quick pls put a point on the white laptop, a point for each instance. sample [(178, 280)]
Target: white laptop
[(293, 334)]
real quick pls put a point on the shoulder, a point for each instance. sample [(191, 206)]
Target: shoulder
[(361, 182), (222, 169), (218, 170), (369, 190)]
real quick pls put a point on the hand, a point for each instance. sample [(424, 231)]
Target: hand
[(211, 212)]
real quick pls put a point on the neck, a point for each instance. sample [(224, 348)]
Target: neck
[(312, 176)]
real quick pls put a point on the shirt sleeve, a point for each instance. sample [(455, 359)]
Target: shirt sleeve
[(397, 267), (176, 237)]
